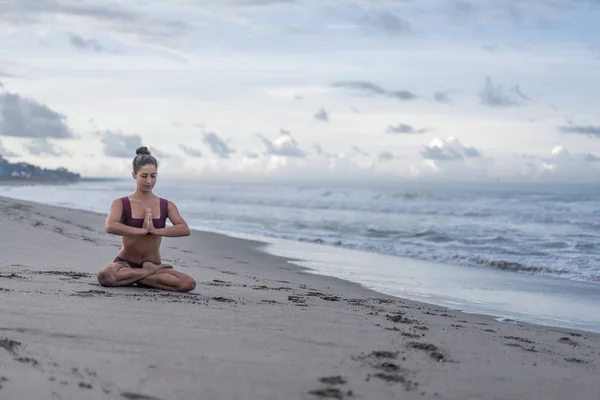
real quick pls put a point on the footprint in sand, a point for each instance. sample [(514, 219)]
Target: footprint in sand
[(428, 347)]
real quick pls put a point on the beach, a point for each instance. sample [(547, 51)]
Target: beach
[(255, 327)]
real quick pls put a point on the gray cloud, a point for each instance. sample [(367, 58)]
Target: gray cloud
[(385, 156), (495, 96), (386, 22), (441, 97), (588, 130), (251, 154), (451, 150), (42, 147), (190, 151), (158, 153), (117, 144), (404, 129), (285, 145), (216, 145), (26, 118), (4, 74), (110, 15), (461, 8), (360, 151), (591, 157), (372, 89), (82, 43), (321, 115)]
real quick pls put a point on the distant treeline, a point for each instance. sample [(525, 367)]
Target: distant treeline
[(28, 171)]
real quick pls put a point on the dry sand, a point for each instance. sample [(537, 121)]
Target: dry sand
[(255, 327)]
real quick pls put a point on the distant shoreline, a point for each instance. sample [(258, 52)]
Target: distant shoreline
[(13, 180)]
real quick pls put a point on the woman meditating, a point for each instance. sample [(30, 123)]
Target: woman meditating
[(141, 219)]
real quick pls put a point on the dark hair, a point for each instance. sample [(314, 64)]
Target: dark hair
[(143, 157)]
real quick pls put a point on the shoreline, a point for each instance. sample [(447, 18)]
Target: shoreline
[(269, 246), (273, 247), (257, 326)]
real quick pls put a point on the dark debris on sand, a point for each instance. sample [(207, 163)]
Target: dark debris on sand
[(92, 293), (10, 345), (576, 360), (399, 318), (394, 378), (333, 380), (223, 299), (428, 347), (12, 275), (70, 274), (328, 393), (138, 396)]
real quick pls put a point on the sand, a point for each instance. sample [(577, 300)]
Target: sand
[(255, 327)]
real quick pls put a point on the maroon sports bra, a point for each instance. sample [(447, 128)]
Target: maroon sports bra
[(139, 222)]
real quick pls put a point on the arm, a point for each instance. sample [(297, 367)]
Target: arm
[(114, 226), (179, 228)]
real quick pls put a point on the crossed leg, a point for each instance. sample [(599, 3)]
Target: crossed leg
[(152, 275)]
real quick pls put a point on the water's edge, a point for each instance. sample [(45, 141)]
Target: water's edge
[(504, 295), (317, 259)]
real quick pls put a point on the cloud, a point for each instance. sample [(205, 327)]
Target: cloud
[(131, 21), (386, 22), (158, 153), (85, 44), (190, 151), (318, 149), (448, 159), (321, 115), (4, 74), (216, 145), (4, 152), (460, 8), (441, 97), (385, 156), (563, 165), (404, 129), (117, 144), (42, 147), (284, 145), (495, 96), (251, 154), (360, 151), (370, 88), (26, 118), (587, 130), (448, 150)]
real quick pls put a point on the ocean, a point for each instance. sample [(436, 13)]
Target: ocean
[(475, 235)]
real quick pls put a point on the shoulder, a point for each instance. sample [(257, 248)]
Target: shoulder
[(118, 202), (168, 203)]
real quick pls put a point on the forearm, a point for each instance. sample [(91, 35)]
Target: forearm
[(173, 231), (116, 228)]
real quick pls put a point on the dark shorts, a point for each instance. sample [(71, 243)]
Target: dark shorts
[(128, 263)]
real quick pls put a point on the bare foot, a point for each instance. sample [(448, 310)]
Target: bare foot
[(154, 267)]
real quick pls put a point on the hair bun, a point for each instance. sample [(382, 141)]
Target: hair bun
[(142, 150)]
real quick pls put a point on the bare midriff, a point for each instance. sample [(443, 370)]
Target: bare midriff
[(138, 249)]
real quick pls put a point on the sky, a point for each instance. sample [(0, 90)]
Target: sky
[(305, 90)]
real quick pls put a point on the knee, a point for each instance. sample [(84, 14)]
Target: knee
[(106, 277), (187, 285)]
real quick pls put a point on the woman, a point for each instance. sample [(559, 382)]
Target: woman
[(141, 219)]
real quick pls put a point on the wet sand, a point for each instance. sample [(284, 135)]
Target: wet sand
[(255, 327)]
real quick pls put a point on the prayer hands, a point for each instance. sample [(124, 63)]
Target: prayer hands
[(148, 225)]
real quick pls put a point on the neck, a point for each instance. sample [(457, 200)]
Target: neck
[(143, 193)]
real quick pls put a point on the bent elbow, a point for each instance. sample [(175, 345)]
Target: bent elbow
[(108, 228)]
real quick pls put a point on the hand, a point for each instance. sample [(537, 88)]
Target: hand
[(148, 225)]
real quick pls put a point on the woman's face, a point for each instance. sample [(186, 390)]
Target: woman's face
[(146, 177)]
